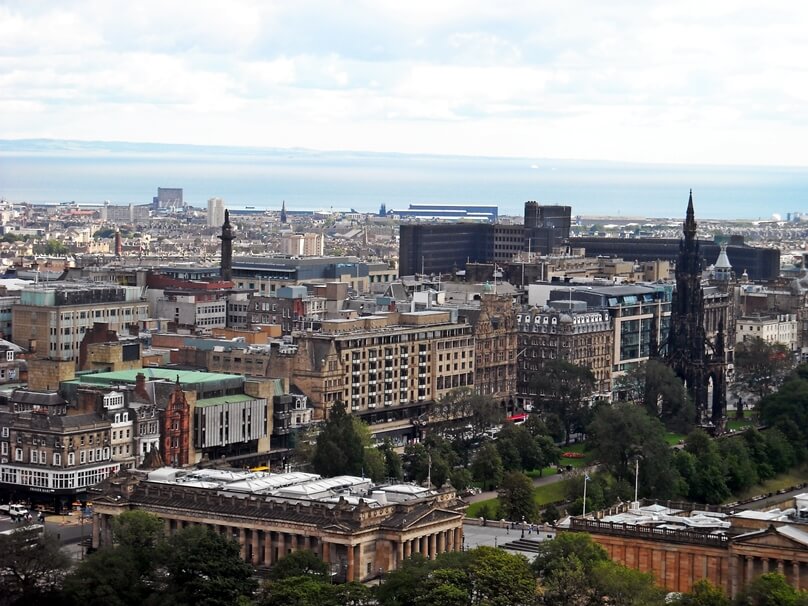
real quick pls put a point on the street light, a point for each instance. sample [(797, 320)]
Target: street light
[(523, 527), (586, 479), (637, 480)]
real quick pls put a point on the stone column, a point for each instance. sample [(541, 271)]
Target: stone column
[(293, 542), (97, 530), (167, 527), (750, 570), (432, 548), (326, 550), (351, 568), (267, 547), (424, 548), (304, 542), (256, 557), (781, 567), (734, 566), (360, 571), (242, 541), (765, 565), (458, 541), (281, 545), (401, 548), (450, 544), (441, 541), (407, 549), (795, 568)]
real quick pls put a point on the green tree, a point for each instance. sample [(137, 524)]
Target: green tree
[(300, 563), (392, 461), (340, 447), (703, 593), (445, 587), (623, 586), (402, 586), (518, 449), (624, 433), (485, 412), (771, 590), (299, 591), (460, 478), (708, 484), (740, 470), (564, 389), (205, 569), (110, 577), (516, 497), (32, 566), (758, 453), (373, 465), (486, 468), (655, 385), (760, 366), (139, 532), (499, 578), (781, 453), (552, 554)]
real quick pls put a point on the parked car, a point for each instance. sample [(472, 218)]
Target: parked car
[(15, 511)]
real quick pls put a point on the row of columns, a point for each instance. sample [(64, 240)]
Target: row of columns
[(753, 566), (431, 545), (266, 547)]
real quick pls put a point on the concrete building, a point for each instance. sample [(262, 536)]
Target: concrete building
[(772, 328), (52, 318), (168, 198), (125, 214), (359, 530), (192, 310), (565, 331), (303, 245), (387, 368), (215, 212), (681, 543)]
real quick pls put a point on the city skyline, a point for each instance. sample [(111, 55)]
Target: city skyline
[(660, 83)]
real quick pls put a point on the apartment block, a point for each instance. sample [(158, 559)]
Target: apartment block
[(51, 318)]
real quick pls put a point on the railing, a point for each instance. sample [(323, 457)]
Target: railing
[(649, 532)]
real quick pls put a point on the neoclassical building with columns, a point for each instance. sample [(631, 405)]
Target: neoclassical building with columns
[(680, 544), (359, 529)]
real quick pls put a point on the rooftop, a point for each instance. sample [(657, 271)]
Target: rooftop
[(151, 374)]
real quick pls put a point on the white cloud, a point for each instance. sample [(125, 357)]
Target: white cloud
[(719, 82)]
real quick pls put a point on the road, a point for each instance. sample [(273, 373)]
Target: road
[(542, 481)]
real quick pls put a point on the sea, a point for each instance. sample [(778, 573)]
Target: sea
[(54, 171)]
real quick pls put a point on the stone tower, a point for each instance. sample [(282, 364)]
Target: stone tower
[(283, 213), (698, 361), (227, 247)]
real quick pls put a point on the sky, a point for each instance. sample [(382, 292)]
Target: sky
[(717, 82)]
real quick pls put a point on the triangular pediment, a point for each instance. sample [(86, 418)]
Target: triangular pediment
[(781, 537)]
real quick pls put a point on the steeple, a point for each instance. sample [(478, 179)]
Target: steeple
[(227, 248), (690, 218), (283, 212)]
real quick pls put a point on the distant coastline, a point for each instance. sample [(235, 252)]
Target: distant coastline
[(53, 171)]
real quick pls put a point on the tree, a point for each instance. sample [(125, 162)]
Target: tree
[(499, 578), (760, 366), (741, 472), (552, 554), (518, 449), (140, 532), (109, 577), (771, 590), (516, 497), (708, 484), (655, 386), (205, 569), (32, 565), (340, 447), (299, 591), (622, 434), (623, 586), (486, 468), (564, 389), (460, 478), (403, 585), (485, 412), (392, 461), (300, 563), (703, 593)]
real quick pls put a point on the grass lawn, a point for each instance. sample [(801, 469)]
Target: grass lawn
[(674, 438), (737, 424), (798, 475), (543, 495)]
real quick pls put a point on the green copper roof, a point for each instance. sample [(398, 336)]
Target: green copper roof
[(128, 376), (232, 399)]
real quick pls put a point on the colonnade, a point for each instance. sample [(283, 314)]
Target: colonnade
[(748, 567), (264, 547)]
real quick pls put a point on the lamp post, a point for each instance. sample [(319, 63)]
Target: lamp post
[(637, 480), (523, 527), (586, 479)]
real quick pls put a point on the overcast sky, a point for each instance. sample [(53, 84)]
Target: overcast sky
[(715, 81)]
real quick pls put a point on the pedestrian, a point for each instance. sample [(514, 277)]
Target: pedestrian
[(41, 517)]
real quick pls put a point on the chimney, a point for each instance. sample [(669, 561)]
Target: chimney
[(140, 387)]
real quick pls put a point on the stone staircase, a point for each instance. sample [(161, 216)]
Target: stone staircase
[(525, 545)]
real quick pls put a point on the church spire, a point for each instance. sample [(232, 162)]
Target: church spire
[(690, 218), (283, 212)]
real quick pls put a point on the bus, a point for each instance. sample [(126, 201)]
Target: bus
[(518, 419)]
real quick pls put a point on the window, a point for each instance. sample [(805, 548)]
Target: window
[(83, 457), (4, 448), (5, 432), (71, 458), (18, 454), (34, 456), (57, 459)]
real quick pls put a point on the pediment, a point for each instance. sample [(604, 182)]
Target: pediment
[(781, 537)]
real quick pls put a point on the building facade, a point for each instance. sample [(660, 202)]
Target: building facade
[(360, 535), (51, 318)]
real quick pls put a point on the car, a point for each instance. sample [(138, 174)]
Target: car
[(15, 511)]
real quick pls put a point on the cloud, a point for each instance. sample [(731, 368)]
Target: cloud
[(720, 82)]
